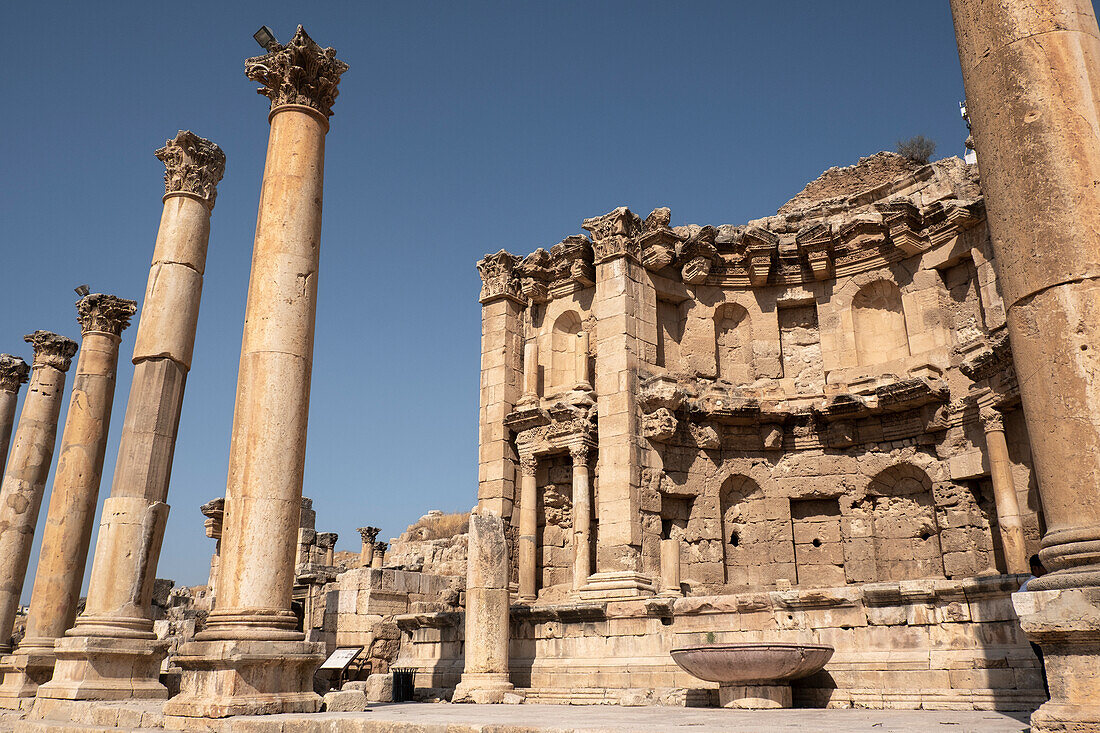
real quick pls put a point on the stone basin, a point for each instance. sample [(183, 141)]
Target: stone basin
[(753, 674)]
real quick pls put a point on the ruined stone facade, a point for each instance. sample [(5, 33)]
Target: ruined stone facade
[(802, 428)]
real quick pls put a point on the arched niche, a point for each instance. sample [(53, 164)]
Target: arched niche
[(733, 343), (879, 322), (744, 532), (904, 528), (564, 344)]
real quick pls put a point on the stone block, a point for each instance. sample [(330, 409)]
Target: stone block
[(345, 701)]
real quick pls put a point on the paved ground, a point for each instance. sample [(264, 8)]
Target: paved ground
[(613, 719)]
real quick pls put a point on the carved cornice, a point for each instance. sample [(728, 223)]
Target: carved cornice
[(300, 72), (14, 372), (499, 278), (697, 255), (105, 313), (51, 350), (368, 534), (214, 511), (192, 165)]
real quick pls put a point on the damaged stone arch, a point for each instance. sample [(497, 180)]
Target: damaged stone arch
[(906, 536)]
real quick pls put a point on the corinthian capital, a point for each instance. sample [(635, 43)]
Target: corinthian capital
[(301, 72), (368, 534), (326, 540), (992, 419), (13, 372), (51, 349), (192, 164), (107, 313)]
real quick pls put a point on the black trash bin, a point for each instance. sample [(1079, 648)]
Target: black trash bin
[(403, 684)]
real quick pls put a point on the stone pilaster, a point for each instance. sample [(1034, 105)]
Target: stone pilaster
[(528, 527), (625, 307), (369, 535), (251, 658), (14, 373), (502, 307), (112, 652), (27, 468), (582, 516), (485, 674), (1034, 108), (73, 499), (378, 561), (1009, 521)]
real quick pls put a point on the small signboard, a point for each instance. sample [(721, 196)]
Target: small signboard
[(342, 657)]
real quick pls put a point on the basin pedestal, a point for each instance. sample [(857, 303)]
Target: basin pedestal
[(755, 695)]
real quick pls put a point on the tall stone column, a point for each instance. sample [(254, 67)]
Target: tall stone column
[(251, 658), (485, 671), (27, 469), (14, 373), (369, 535), (1007, 501), (1030, 70), (582, 516), (379, 558), (528, 526), (112, 653), (73, 499)]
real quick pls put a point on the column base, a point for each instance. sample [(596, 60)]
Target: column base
[(1066, 625), (617, 585), (756, 696), (23, 672), (244, 677), (106, 668), (486, 688)]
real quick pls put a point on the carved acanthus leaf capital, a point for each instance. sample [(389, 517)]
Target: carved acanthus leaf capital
[(369, 534), (106, 313), (499, 278), (14, 372), (613, 234), (528, 464), (50, 349), (326, 540), (381, 547), (992, 419), (300, 72), (580, 454), (192, 165)]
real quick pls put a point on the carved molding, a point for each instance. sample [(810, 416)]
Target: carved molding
[(368, 534), (106, 313), (192, 165), (300, 72), (14, 372), (52, 350)]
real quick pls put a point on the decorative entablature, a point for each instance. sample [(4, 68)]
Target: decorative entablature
[(560, 427), (712, 416), (987, 363), (538, 276)]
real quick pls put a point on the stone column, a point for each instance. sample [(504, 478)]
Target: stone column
[(502, 307), (1030, 71), (214, 511), (1005, 497), (251, 658), (582, 517), (670, 567), (112, 652), (369, 535), (625, 306), (379, 558), (485, 674), (73, 499), (327, 542), (27, 469), (530, 370), (14, 372), (584, 374), (528, 527)]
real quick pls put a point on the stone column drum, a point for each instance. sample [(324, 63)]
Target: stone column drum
[(369, 535), (251, 658), (379, 558), (485, 674), (27, 469), (112, 652), (582, 516), (528, 527), (1030, 71), (14, 372), (1007, 501), (73, 498)]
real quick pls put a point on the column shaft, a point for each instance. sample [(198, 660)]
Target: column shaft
[(670, 566), (582, 519), (528, 527), (27, 468), (1009, 522)]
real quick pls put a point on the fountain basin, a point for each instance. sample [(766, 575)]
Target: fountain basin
[(753, 674)]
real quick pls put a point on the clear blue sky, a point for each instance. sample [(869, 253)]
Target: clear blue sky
[(460, 129)]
